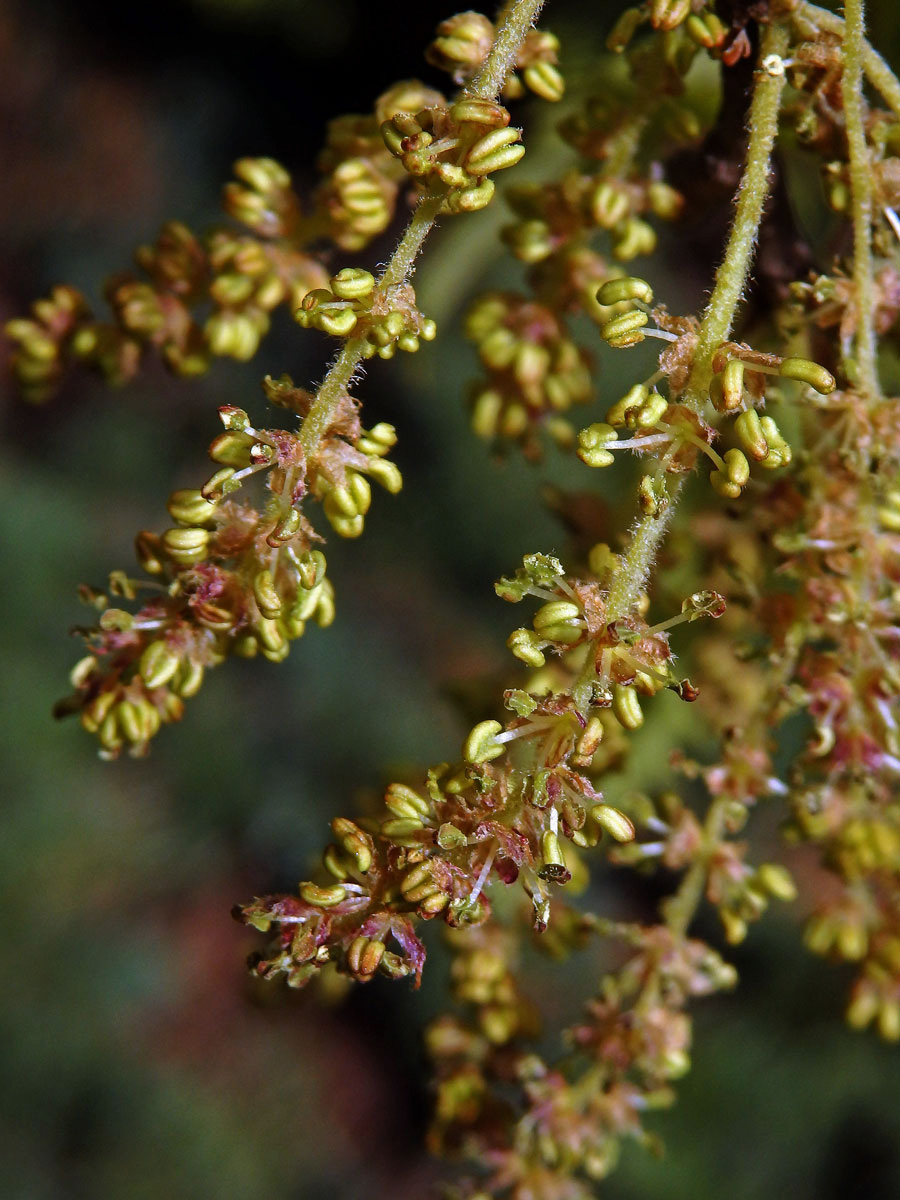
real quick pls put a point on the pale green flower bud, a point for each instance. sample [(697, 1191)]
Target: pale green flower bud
[(480, 746), (322, 897), (624, 330), (805, 371), (615, 291), (626, 707), (523, 644), (545, 80), (733, 384), (352, 283), (188, 506), (158, 664), (495, 151), (404, 801), (749, 430), (266, 595), (186, 546), (592, 443), (614, 822)]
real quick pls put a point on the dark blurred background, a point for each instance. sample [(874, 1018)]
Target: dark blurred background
[(136, 1059)]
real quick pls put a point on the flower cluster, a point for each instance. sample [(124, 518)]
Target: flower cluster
[(536, 370), (505, 837), (237, 276), (228, 577), (555, 1129)]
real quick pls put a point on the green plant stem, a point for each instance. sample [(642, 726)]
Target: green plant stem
[(679, 909), (731, 276), (879, 73), (645, 540), (719, 316), (513, 23), (860, 199), (338, 378)]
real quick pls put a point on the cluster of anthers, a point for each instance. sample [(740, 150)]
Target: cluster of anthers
[(200, 297), (227, 578), (675, 433), (612, 196), (522, 791), (240, 276), (385, 319)]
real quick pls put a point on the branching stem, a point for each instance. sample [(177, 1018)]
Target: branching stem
[(879, 73), (860, 199), (513, 23), (731, 278)]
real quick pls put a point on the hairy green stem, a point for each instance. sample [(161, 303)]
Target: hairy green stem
[(338, 378), (719, 316), (809, 18), (645, 540), (860, 199), (731, 276), (514, 22)]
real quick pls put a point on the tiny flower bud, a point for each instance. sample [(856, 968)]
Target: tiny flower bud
[(750, 432), (322, 897), (480, 746), (776, 880), (364, 956), (631, 238), (705, 29), (404, 801), (355, 842), (186, 546), (651, 412), (496, 150), (387, 474), (626, 707), (232, 449), (733, 384), (523, 644), (624, 410), (588, 743), (545, 80), (624, 330), (779, 453), (738, 467), (554, 613), (614, 822), (668, 14), (188, 506), (352, 283), (805, 371), (400, 829), (219, 485), (148, 549), (158, 664), (609, 205), (592, 443), (624, 29), (284, 529), (614, 291), (471, 199), (266, 595)]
